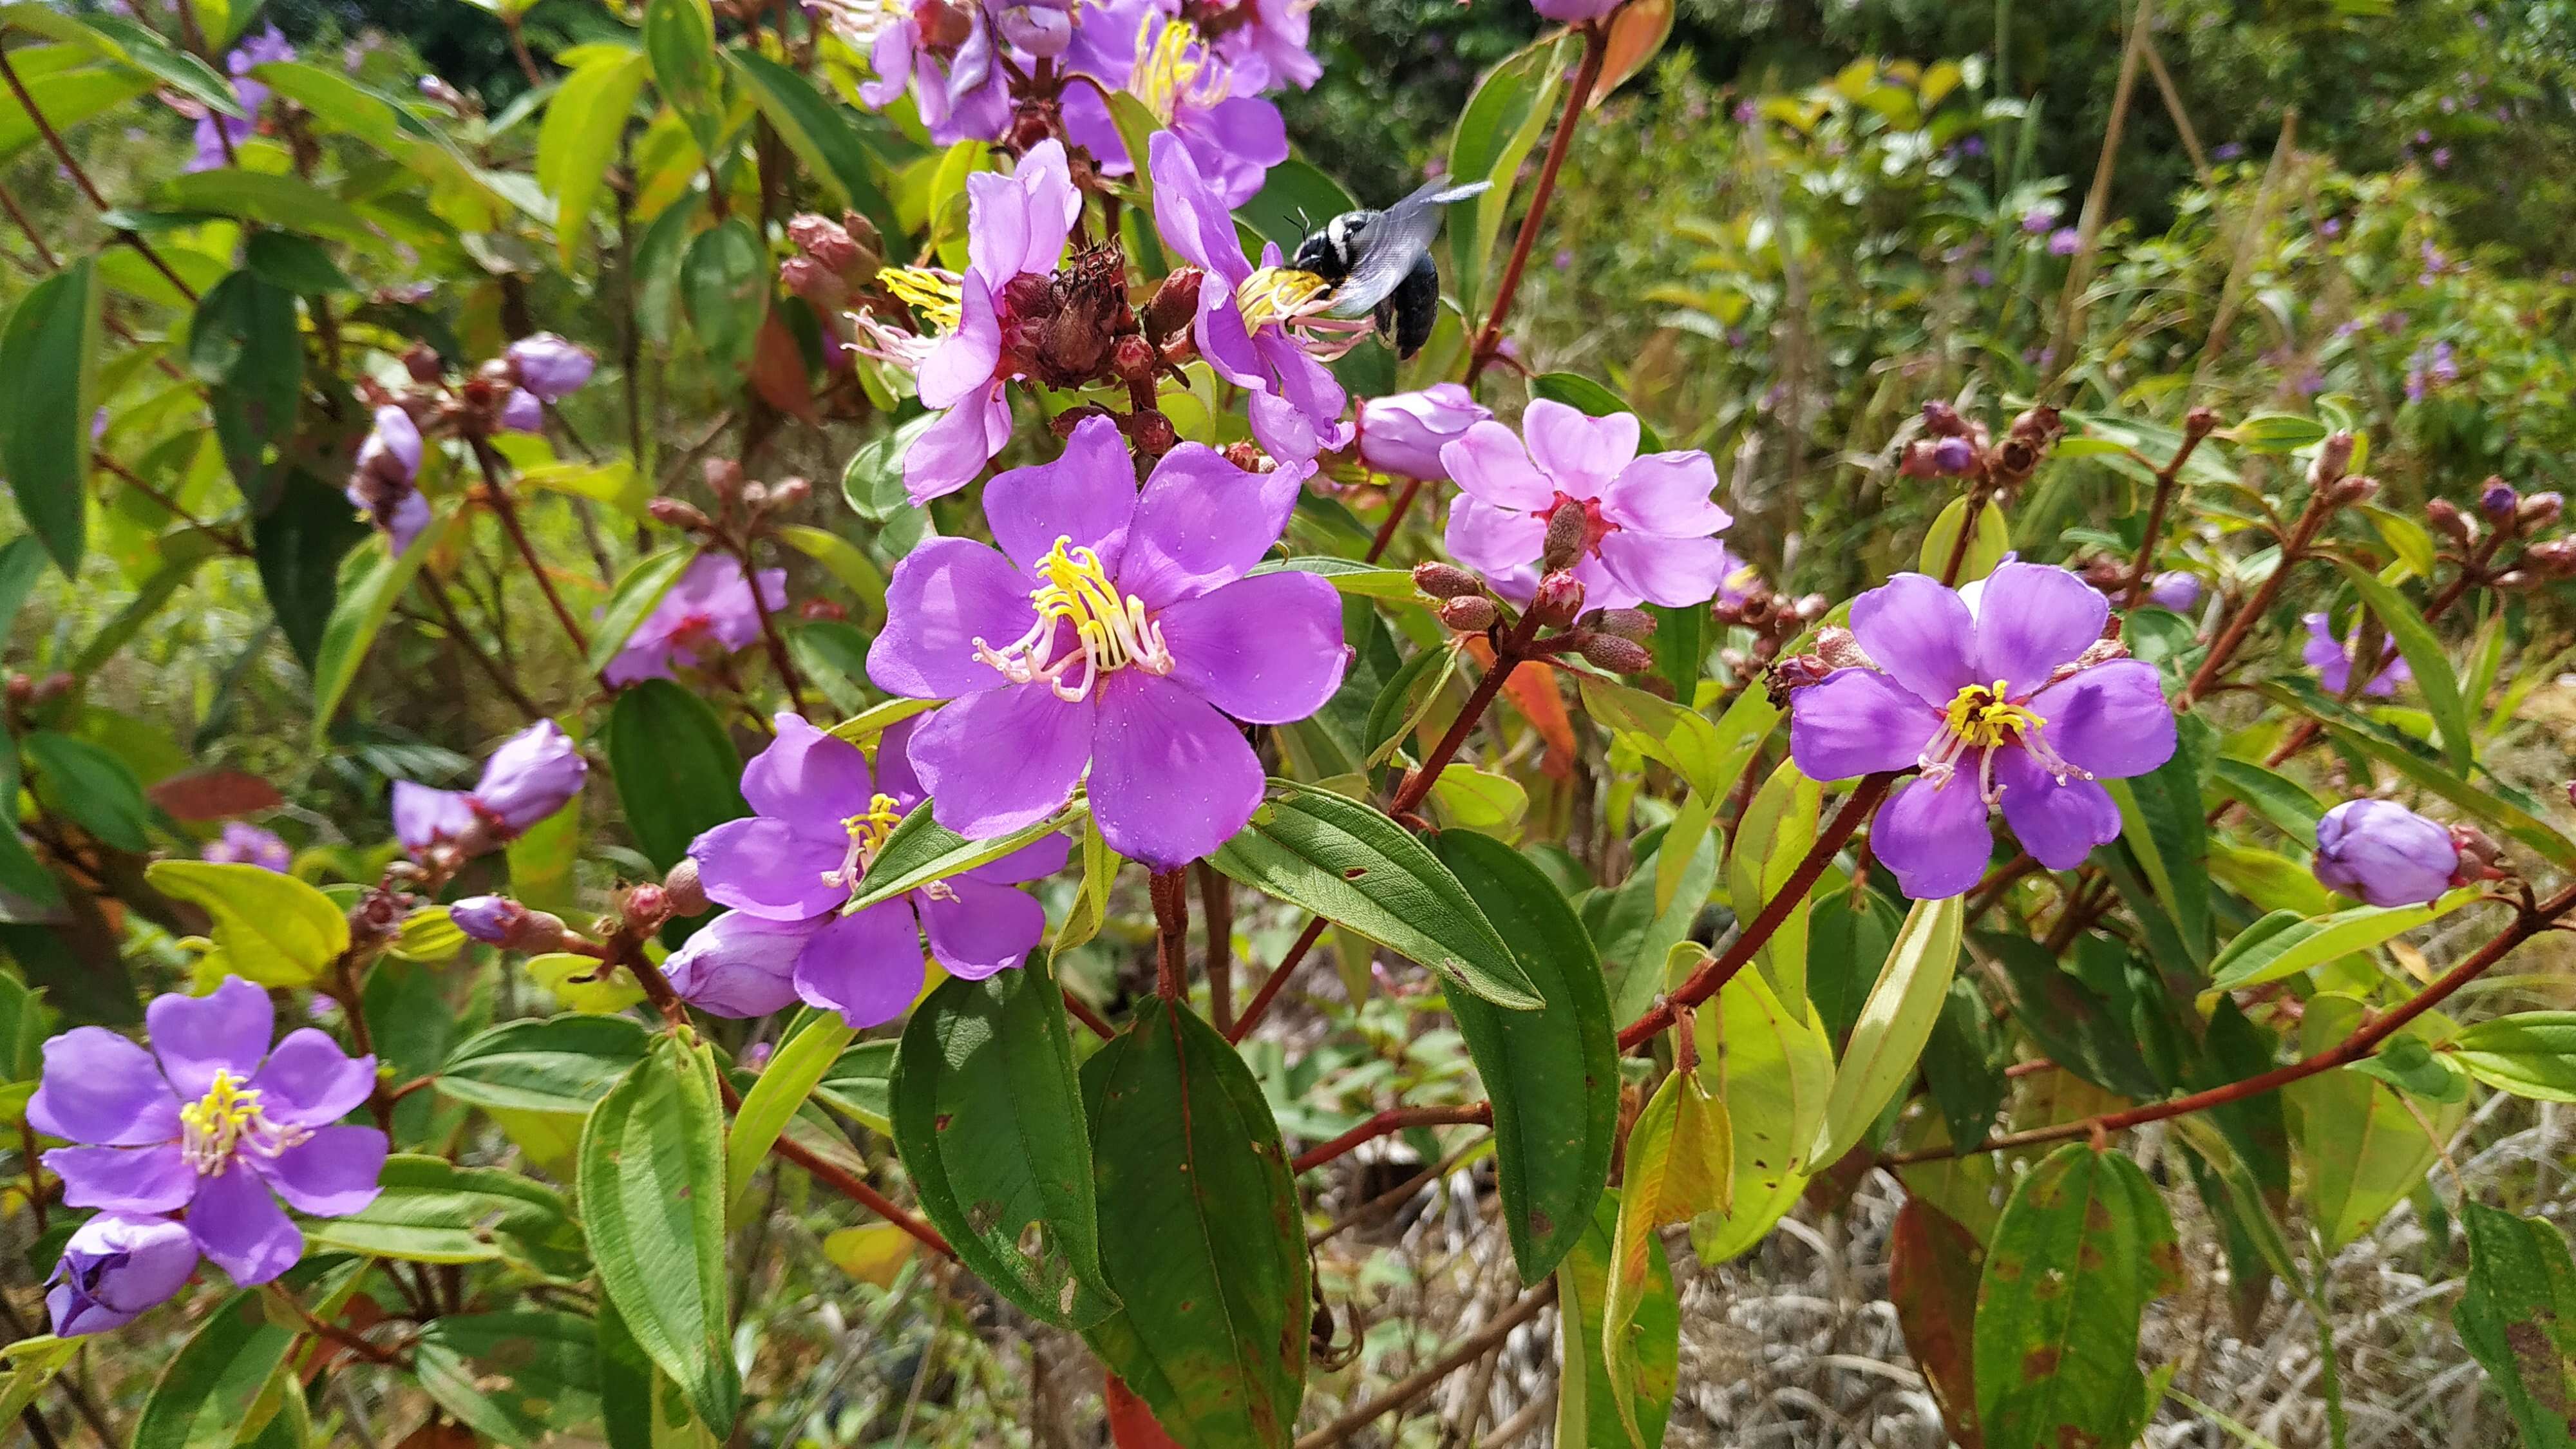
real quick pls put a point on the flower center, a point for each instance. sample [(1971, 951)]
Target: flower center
[(1278, 294), (219, 1125), (934, 294), (1983, 718), (1173, 69), (868, 834), (1596, 527), (1110, 631)]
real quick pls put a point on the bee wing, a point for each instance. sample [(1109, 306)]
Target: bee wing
[(1397, 237)]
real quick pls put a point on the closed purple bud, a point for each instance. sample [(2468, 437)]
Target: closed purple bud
[(1954, 455), (530, 777), (113, 1268), (2384, 853), (549, 366), (491, 920), (2499, 499), (1403, 434), (2175, 590), (522, 413), (740, 965), (393, 447)]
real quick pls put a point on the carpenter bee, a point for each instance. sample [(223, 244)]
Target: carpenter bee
[(1380, 263)]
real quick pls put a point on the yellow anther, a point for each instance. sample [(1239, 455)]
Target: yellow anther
[(933, 294), (1171, 66), (212, 1126), (1983, 717), (869, 831), (1274, 294), (1078, 591)]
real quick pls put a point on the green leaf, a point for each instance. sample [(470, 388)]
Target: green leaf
[(2530, 1054), (920, 850), (1351, 577), (288, 203), (1683, 741), (22, 564), (808, 1055), (680, 37), (2485, 804), (205, 1398), (371, 579), (1501, 123), (433, 1211), (299, 545), (297, 264), (1773, 1068), (2276, 433), (584, 120), (32, 1364), (2068, 1020), (2404, 1062), (49, 351), (512, 1377), (859, 1084), (2161, 823), (66, 98), (245, 341), (1586, 1412), (91, 786), (1553, 1074), (1090, 908), (557, 1064), (675, 767), (652, 1173), (1894, 1024), (2518, 1318), (1635, 938), (638, 591), (1294, 199), (1207, 1249), (2425, 656), (1985, 550), (1771, 839), (872, 483), (1680, 1163), (816, 131), (2084, 1246), (987, 1120), (1353, 866), (845, 560), (2284, 944), (724, 283), (272, 929), (2280, 800), (2362, 1146)]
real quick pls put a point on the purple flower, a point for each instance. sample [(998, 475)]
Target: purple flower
[(2175, 590), (214, 1126), (1111, 631), (488, 919), (2064, 241), (1647, 521), (1015, 226), (1234, 138), (1243, 331), (393, 446), (2332, 660), (2227, 151), (1403, 434), (2499, 500), (788, 870), (1954, 455), (522, 412), (946, 56), (1989, 692), (114, 1267), (2383, 853), (243, 843), (550, 367), (2039, 219), (215, 132), (528, 778), (1265, 42), (381, 486), (709, 613)]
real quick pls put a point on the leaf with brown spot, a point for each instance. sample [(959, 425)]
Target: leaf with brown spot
[(2518, 1317), (1681, 1161), (2074, 1262), (1932, 1279)]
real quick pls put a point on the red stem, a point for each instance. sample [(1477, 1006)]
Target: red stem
[(1394, 519), (1489, 343), (1390, 1122)]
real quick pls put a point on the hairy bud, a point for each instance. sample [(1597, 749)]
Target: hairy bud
[(2497, 499), (788, 492), (645, 907), (1626, 623), (2200, 422), (824, 240), (724, 477), (1175, 304), (1794, 673), (2334, 455), (1943, 421), (2539, 511), (2555, 559), (2480, 857), (1469, 614), (1559, 600), (2358, 488), (1446, 581), (2450, 522), (1151, 433), (682, 890), (424, 364), (1619, 656), (679, 513), (1564, 544), (1838, 648), (1132, 358), (814, 282)]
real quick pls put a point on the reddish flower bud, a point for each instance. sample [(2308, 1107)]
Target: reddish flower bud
[(679, 513), (822, 609), (1839, 648), (1469, 614), (2539, 511), (1619, 656), (814, 282), (682, 891), (645, 907), (2450, 522), (1446, 581), (1175, 304), (788, 492), (2356, 489), (1151, 433), (2200, 422), (1943, 421), (825, 240), (1132, 358), (2555, 559), (1626, 623), (1565, 537), (424, 364), (1559, 600), (2333, 456), (724, 477)]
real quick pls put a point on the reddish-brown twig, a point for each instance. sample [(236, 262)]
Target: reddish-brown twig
[(1390, 1122), (1394, 519), (2196, 425), (1489, 342)]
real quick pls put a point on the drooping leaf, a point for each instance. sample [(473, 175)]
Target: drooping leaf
[(1773, 1069), (2518, 1318), (49, 352), (1552, 1074), (652, 1172), (2083, 1247), (1350, 864), (1894, 1024), (1206, 1247), (272, 929), (1680, 1163), (299, 545), (675, 767), (1932, 1271), (2283, 944), (1585, 1411), (987, 1119)]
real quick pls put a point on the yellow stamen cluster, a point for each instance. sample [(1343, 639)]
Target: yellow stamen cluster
[(934, 295), (1171, 66), (1278, 294), (1077, 590), (1982, 717), (869, 831), (213, 1126)]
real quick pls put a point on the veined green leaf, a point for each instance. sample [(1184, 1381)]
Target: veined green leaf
[(675, 767), (2518, 1318), (1586, 1413), (49, 351), (1680, 1162), (1894, 1024), (920, 850), (1773, 1068), (2529, 1053), (2284, 944), (584, 119), (638, 590), (272, 929), (2425, 656), (799, 1065), (557, 1064), (371, 579)]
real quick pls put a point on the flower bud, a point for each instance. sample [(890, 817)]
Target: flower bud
[(2200, 422), (1175, 304), (1132, 358), (2359, 488), (1404, 434), (2333, 456), (1564, 542), (814, 282), (1619, 656), (1953, 456), (1150, 432), (724, 477), (2383, 853), (424, 364), (871, 243), (2175, 590), (645, 907), (2480, 857), (1943, 421), (1559, 600), (500, 921), (549, 366), (1626, 623), (2497, 500), (786, 493), (1446, 581), (2450, 522), (2538, 511), (683, 890), (116, 1266), (1249, 458), (739, 965), (827, 242), (1795, 672), (531, 776), (2555, 559), (1839, 648), (679, 513), (1469, 614), (1917, 460)]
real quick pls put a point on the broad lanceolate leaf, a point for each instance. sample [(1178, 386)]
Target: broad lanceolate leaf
[(512, 1377), (809, 1053), (2283, 943), (2518, 1317), (1553, 1074), (818, 132), (49, 353), (859, 1085), (299, 544), (724, 283), (1985, 547), (675, 767), (1773, 1068), (1932, 1272), (1680, 1163), (2362, 1146), (1709, 758), (652, 1174), (2530, 1054), (1894, 1024), (92, 786), (680, 37), (988, 1120), (1502, 122), (371, 579), (1350, 864), (1586, 1411), (2084, 1246), (1769, 842), (272, 929), (2425, 656), (1207, 1248), (638, 590), (583, 121), (433, 1211), (31, 1364), (921, 850), (204, 1398)]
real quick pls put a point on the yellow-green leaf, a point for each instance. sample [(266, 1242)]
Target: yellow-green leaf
[(272, 929)]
